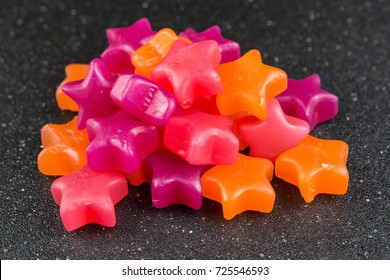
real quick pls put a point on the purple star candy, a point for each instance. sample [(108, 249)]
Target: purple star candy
[(173, 180), (304, 99), (230, 50), (144, 99), (122, 44), (120, 143), (93, 93)]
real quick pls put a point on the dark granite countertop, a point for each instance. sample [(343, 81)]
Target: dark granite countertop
[(346, 42)]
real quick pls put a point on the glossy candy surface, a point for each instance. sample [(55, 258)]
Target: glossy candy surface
[(241, 186), (278, 133), (119, 142), (87, 196), (93, 93), (315, 166), (201, 138), (304, 99), (143, 99), (173, 180), (63, 148), (122, 44), (190, 71), (248, 85), (73, 72), (230, 50)]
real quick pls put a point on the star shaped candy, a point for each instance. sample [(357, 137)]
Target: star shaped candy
[(122, 44), (87, 196), (93, 93), (241, 186), (73, 72), (230, 50), (145, 58), (190, 71), (278, 133), (305, 99), (173, 180), (120, 143), (201, 138), (315, 166), (63, 148), (248, 85)]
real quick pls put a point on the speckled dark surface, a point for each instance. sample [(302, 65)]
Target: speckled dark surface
[(346, 42)]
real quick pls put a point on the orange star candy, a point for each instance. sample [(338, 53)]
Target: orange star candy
[(63, 148), (149, 55), (137, 178), (248, 84), (73, 72), (315, 166), (244, 185)]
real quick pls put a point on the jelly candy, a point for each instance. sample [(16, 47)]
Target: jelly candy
[(173, 180), (241, 186), (230, 50), (278, 133), (248, 85), (305, 99), (143, 99), (73, 72), (201, 138), (93, 93), (63, 148), (122, 44), (149, 55), (87, 196), (315, 166), (119, 142), (190, 71)]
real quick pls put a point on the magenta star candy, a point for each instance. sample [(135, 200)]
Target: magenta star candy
[(122, 44), (190, 71), (120, 143), (93, 93), (173, 180), (87, 196), (144, 99), (304, 99), (271, 137), (202, 139), (230, 50)]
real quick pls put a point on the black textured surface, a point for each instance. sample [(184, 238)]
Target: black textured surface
[(346, 42)]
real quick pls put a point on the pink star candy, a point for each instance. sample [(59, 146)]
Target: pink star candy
[(87, 196), (122, 44), (201, 138), (119, 142), (304, 99), (93, 93), (230, 50), (190, 71), (271, 137)]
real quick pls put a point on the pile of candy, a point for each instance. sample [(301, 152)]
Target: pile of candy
[(175, 111)]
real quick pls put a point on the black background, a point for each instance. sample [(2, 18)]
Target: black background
[(346, 42)]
